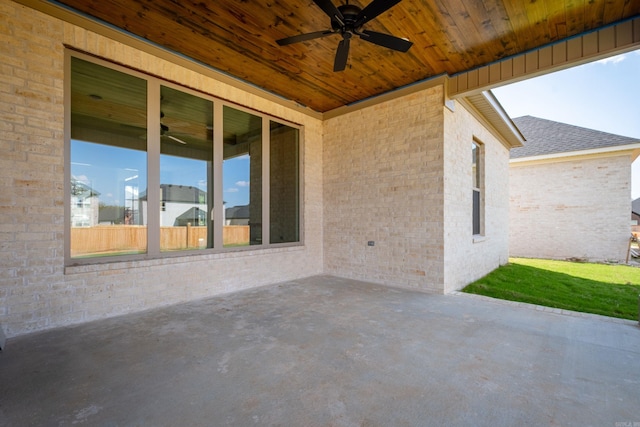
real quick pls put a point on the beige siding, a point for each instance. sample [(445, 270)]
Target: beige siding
[(573, 208), (467, 258), (35, 290)]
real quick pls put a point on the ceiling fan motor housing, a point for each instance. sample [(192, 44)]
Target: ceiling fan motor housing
[(350, 14), (348, 21)]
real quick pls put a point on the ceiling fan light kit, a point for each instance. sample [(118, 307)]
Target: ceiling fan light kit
[(348, 20)]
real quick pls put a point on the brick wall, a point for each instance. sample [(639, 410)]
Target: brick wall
[(573, 208), (383, 182), (468, 258), (399, 174), (36, 292)]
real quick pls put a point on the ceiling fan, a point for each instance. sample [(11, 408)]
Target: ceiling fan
[(348, 20), (164, 132)]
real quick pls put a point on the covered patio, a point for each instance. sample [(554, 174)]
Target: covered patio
[(328, 351), (363, 194)]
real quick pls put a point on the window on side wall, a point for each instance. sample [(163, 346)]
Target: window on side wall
[(155, 169), (477, 172)]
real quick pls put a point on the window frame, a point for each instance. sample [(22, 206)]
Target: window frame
[(479, 189), (153, 170)]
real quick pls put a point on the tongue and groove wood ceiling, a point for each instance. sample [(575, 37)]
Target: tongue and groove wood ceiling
[(238, 37)]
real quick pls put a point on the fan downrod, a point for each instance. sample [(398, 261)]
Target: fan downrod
[(350, 13)]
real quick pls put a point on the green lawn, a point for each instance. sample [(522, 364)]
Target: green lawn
[(609, 290)]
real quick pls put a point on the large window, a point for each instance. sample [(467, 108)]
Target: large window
[(154, 168), (284, 203), (108, 167), (477, 171), (186, 159), (242, 178)]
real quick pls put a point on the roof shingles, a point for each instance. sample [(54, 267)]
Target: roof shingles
[(548, 137), (635, 206)]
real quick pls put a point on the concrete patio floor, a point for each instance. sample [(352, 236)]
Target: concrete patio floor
[(326, 351)]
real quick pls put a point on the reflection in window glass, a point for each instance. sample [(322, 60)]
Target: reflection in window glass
[(108, 162), (284, 193), (476, 170), (242, 178), (112, 156), (186, 159)]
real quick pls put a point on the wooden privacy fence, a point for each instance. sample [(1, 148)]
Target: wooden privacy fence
[(104, 239), (235, 235)]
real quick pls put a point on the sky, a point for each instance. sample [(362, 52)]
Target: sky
[(108, 170), (602, 95), (235, 181)]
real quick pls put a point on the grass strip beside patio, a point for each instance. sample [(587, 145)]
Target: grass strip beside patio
[(609, 290)]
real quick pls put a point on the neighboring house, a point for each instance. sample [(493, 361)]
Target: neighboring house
[(569, 191), (110, 215), (179, 205), (85, 202), (635, 216), (237, 215), (182, 204), (193, 216)]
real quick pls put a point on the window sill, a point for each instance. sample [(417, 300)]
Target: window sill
[(116, 265), (479, 238)]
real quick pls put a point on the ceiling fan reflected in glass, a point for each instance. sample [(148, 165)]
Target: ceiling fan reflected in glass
[(348, 20), (164, 132)]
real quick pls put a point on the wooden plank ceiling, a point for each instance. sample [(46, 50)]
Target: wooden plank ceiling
[(239, 37)]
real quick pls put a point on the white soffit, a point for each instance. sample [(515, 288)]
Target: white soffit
[(488, 108)]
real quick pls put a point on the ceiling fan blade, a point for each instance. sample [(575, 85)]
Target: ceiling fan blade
[(373, 9), (304, 37), (342, 55), (386, 40), (176, 139), (330, 9)]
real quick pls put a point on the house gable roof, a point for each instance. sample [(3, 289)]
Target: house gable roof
[(237, 212), (546, 137), (179, 194), (182, 193), (635, 206)]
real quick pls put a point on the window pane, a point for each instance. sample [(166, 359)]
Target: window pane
[(242, 178), (474, 165), (186, 179), (108, 161), (476, 212), (284, 191)]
